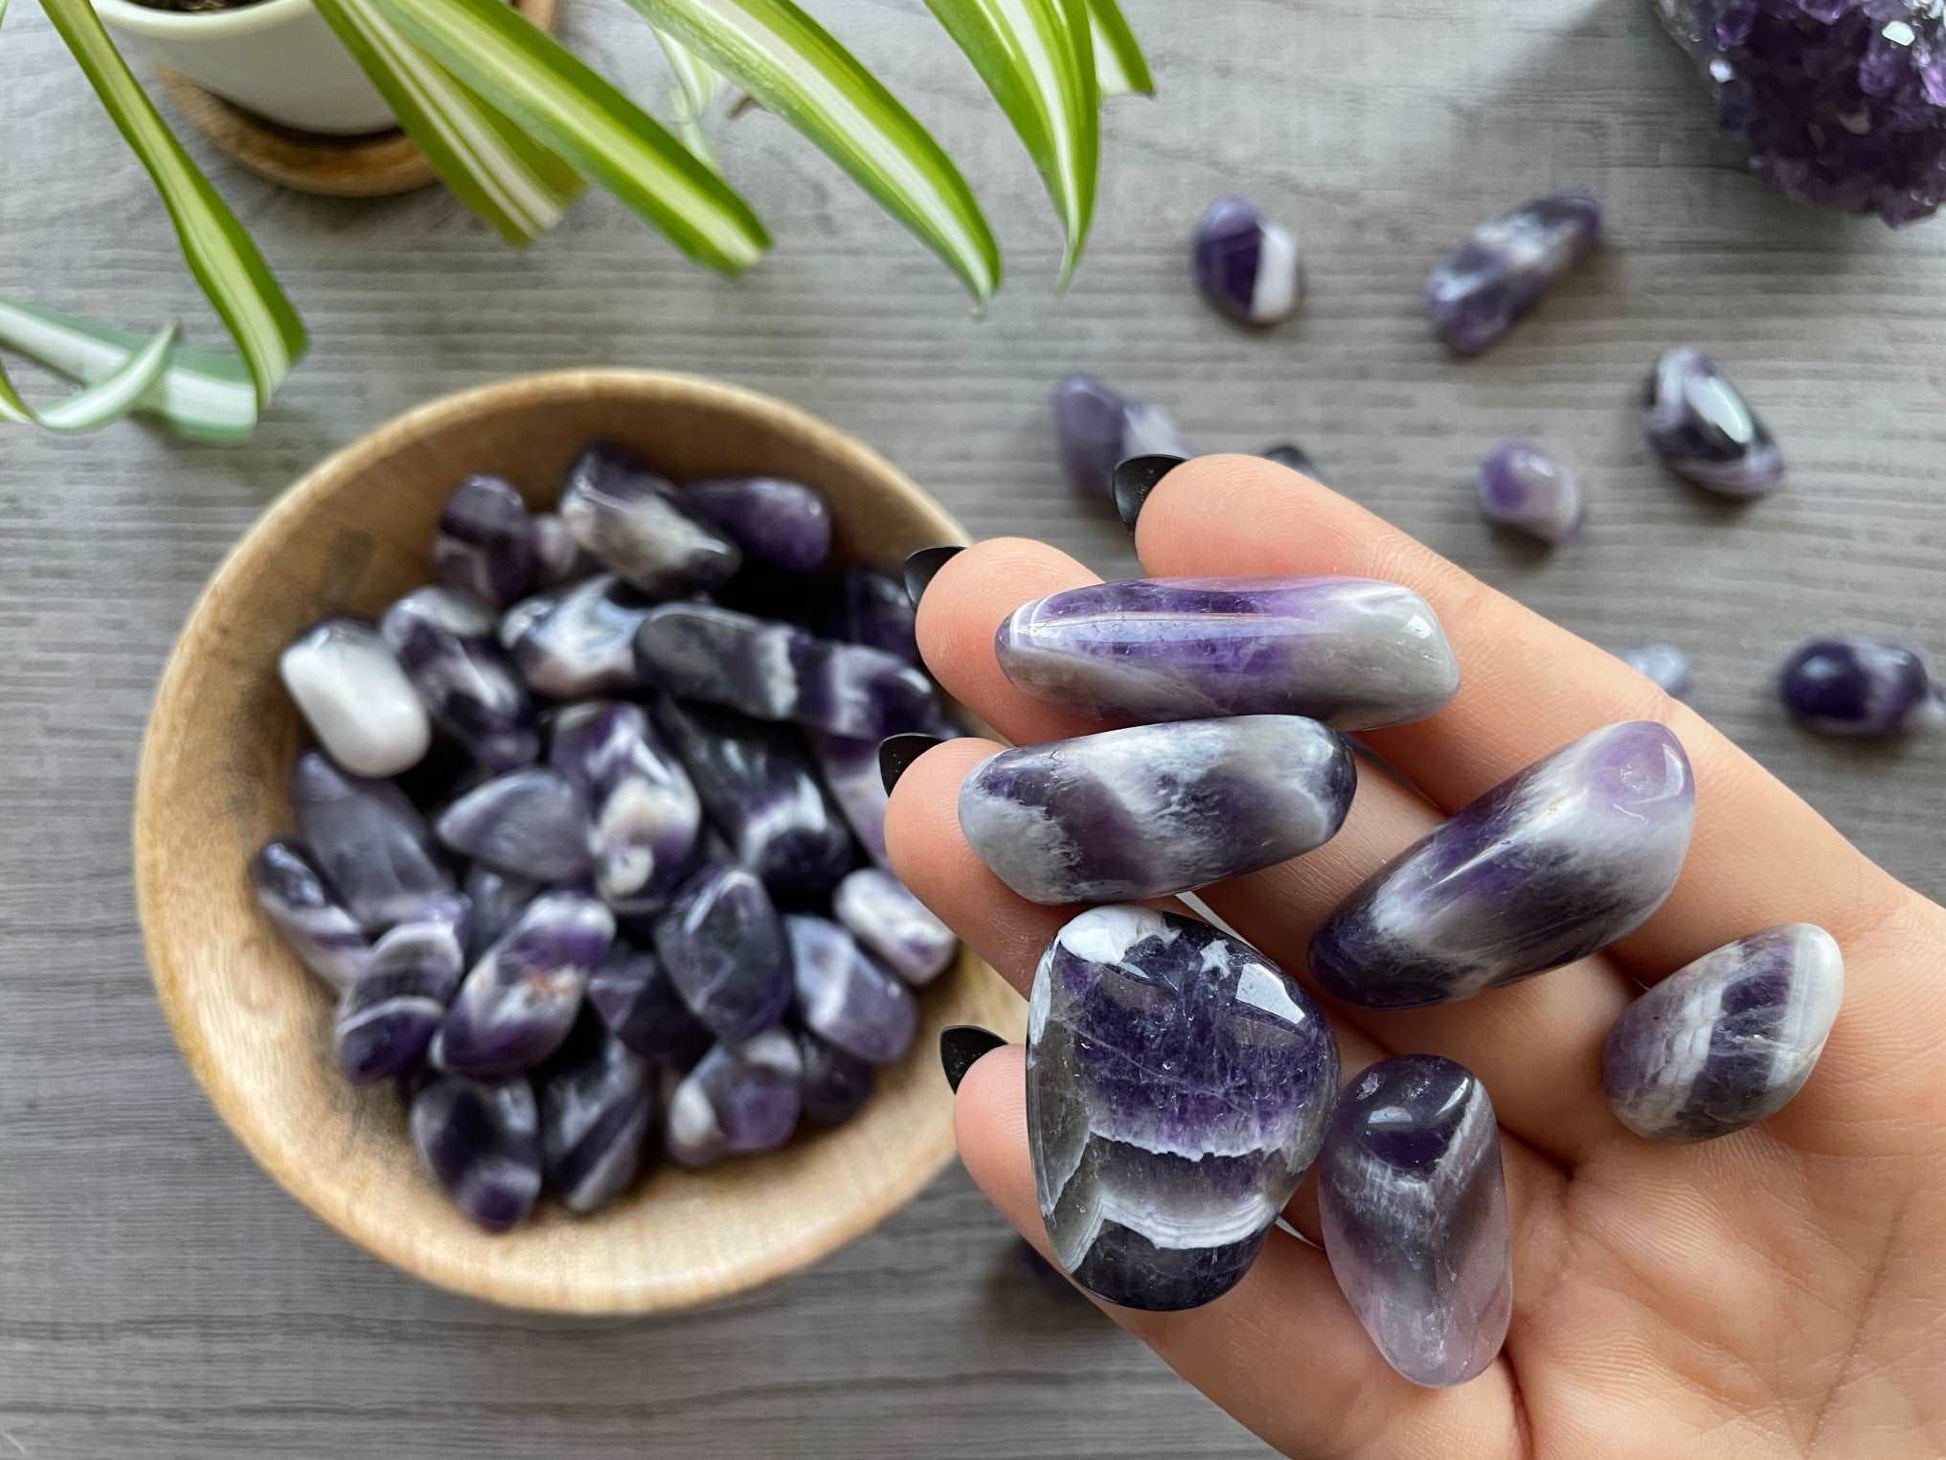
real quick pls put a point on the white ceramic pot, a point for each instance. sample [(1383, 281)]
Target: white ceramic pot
[(278, 59)]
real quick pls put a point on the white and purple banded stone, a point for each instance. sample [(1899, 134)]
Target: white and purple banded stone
[(1551, 865), (1099, 429), (1526, 488), (579, 643), (355, 697), (844, 997), (1727, 1041), (485, 543), (1156, 809), (1245, 265), (1178, 1086), (444, 640), (1664, 664), (851, 775), (386, 1020), (878, 613), (782, 522), (723, 946), (597, 1105), (1865, 688), (367, 839), (635, 997), (834, 1085), (648, 821), (519, 1001), (532, 822), (1413, 1204), (1350, 652), (882, 914), (739, 1098), (482, 1144), (1480, 290), (321, 931), (1704, 430), (632, 520), (496, 898)]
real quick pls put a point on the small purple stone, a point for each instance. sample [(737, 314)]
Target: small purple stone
[(647, 818), (1727, 1041), (1860, 687), (1665, 664), (724, 948), (482, 1143), (1478, 292), (845, 998), (368, 841), (637, 1000), (1704, 430), (387, 1018), (879, 614), (355, 698), (485, 542), (630, 518), (558, 558), (1413, 1203), (444, 641), (497, 899), (580, 643), (1349, 652), (519, 1002), (1099, 429), (894, 926), (834, 1085), (1178, 1086), (597, 1105), (1523, 487), (851, 775), (1246, 265), (1551, 865), (533, 823), (740, 1097), (320, 930), (782, 522)]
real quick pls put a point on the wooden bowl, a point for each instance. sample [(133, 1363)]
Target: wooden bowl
[(255, 1025)]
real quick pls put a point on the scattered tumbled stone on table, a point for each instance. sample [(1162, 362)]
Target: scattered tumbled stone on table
[(739, 1098), (1413, 1204), (901, 931), (597, 1105), (533, 823), (1551, 865), (365, 837), (1704, 430), (1178, 1086), (1525, 487), (637, 1000), (1246, 265), (723, 947), (355, 697), (519, 1001), (834, 1085), (1862, 687), (579, 643), (630, 518), (389, 1016), (482, 1144), (783, 522), (647, 818), (843, 996), (319, 928), (1665, 664), (1098, 429), (485, 543), (444, 640), (1727, 1041), (878, 613), (1478, 292)]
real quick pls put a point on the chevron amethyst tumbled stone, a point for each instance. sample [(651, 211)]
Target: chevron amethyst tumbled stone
[(1480, 290), (893, 925), (597, 1105), (320, 929), (851, 774), (580, 642), (739, 1098), (1178, 1086), (356, 699), (1704, 430), (372, 847), (1728, 1040), (1098, 428), (843, 996), (723, 946), (1156, 809), (632, 520), (444, 640), (1874, 689), (780, 521), (1413, 1204), (389, 1016), (648, 821), (519, 1001), (1350, 652), (1664, 664), (1246, 265), (482, 1144), (532, 822), (1549, 866), (485, 545), (833, 1085), (635, 997), (1527, 488)]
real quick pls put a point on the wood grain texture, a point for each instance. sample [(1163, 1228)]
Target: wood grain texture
[(159, 1296)]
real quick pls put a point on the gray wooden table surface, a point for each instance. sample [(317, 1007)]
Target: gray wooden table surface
[(159, 1296)]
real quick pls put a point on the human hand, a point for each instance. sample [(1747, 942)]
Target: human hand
[(1781, 1291)]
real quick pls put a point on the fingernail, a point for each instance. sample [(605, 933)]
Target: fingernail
[(896, 753), (1134, 479), (920, 567), (960, 1048), (1289, 454)]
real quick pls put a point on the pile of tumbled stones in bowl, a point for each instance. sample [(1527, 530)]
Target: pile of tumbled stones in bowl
[(1180, 1083), (592, 842)]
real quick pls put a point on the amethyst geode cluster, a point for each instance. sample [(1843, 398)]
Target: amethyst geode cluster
[(1841, 103)]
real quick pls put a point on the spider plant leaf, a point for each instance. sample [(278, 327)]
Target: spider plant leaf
[(94, 405), (1119, 63), (697, 85)]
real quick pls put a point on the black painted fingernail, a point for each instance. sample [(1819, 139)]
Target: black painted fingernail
[(1134, 479), (896, 753), (961, 1046), (1287, 453), (920, 567)]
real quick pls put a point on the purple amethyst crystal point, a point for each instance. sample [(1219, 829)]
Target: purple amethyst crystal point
[(356, 698), (386, 1019), (834, 1086), (1838, 103), (485, 543), (757, 785), (1860, 687), (630, 518), (444, 641), (1549, 866), (372, 847), (879, 614), (1178, 1085), (581, 643), (1704, 430), (894, 926), (482, 1143), (597, 1104), (1664, 664), (519, 1002), (636, 999), (724, 948), (740, 1097), (1156, 809), (647, 819), (533, 823), (1727, 1041), (1099, 429), (1524, 487), (852, 776), (1246, 265), (320, 930), (1480, 290), (497, 899), (1349, 652), (845, 998), (782, 522), (1413, 1204)]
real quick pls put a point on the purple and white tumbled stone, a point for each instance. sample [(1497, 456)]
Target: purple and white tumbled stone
[(387, 1019), (357, 700), (444, 640), (1247, 266), (482, 1144), (1727, 1041), (1860, 687), (1099, 429), (1524, 487), (1413, 1203), (1704, 430), (635, 997), (558, 559), (597, 1105), (844, 997), (1480, 290), (320, 930), (579, 643), (851, 775), (1178, 1086), (1664, 664), (780, 521), (834, 1085), (893, 925), (878, 613), (1551, 865), (1156, 809), (519, 1001), (630, 519), (496, 898), (1350, 652), (739, 1098), (648, 820), (365, 837), (723, 946), (485, 542), (533, 823)]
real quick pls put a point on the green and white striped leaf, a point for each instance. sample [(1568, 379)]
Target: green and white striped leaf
[(527, 74), (1037, 58), (1120, 67), (697, 85), (796, 68), (497, 170), (223, 257), (206, 395), (95, 405)]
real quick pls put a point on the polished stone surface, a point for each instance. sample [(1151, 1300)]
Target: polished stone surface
[(1246, 265), (723, 946), (834, 1086), (444, 640), (579, 641), (485, 544), (319, 928), (843, 996), (878, 613), (356, 699), (1704, 430), (388, 1017), (482, 1143), (635, 997), (1483, 288), (519, 1001), (648, 821), (851, 774), (1727, 1041), (893, 925), (1860, 687), (1353, 653), (632, 520), (533, 823), (781, 522), (1154, 810), (1098, 427), (1178, 1086), (597, 1106), (1527, 488), (1665, 664), (739, 1098), (1413, 1203), (1553, 864), (496, 898), (371, 845)]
